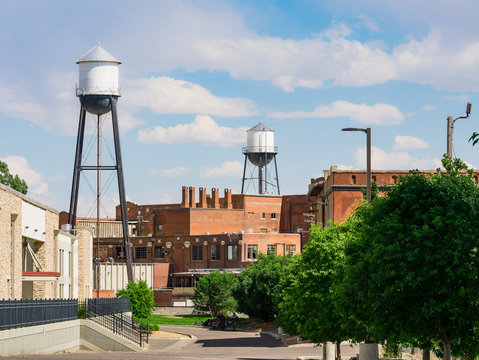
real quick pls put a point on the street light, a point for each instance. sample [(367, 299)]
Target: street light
[(450, 128), (368, 158)]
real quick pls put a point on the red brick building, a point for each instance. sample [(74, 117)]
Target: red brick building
[(203, 233), (333, 196)]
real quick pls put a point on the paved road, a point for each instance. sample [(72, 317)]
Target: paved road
[(209, 344)]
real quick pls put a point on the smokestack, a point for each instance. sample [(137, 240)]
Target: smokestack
[(192, 197)]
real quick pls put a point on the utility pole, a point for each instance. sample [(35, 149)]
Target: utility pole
[(450, 129)]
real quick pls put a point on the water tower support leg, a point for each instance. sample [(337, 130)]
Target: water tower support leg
[(244, 174), (260, 180), (277, 177), (121, 190), (77, 169)]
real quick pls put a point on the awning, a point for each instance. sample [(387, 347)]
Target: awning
[(40, 276)]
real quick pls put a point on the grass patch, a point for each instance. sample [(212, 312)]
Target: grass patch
[(172, 320)]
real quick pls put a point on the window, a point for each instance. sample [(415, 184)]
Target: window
[(374, 178), (395, 179), (140, 252), (159, 252), (264, 231), (252, 251), (353, 180), (215, 252), (119, 254), (273, 216), (197, 252), (232, 252), (160, 228), (263, 215), (271, 249), (291, 249)]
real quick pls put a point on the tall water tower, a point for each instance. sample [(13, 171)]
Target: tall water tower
[(98, 91), (260, 151)]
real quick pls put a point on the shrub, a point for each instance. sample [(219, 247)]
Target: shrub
[(142, 300)]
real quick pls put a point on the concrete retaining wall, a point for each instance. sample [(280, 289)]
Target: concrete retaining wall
[(63, 336)]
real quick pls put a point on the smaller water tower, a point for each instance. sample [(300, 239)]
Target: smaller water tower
[(260, 151)]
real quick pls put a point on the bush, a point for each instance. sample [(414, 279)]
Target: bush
[(142, 300)]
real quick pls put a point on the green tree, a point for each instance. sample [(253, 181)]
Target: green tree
[(374, 190), (258, 290), (412, 271), (213, 293), (142, 299), (310, 306), (12, 181)]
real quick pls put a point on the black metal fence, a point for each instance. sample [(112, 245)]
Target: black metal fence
[(116, 321), (21, 313), (107, 312), (113, 305)]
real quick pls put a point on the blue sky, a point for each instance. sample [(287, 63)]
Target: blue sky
[(197, 74)]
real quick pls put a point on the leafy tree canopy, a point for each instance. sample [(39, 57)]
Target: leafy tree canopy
[(310, 306), (412, 271), (258, 290), (142, 299), (12, 181), (213, 293)]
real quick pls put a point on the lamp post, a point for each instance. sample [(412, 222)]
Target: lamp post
[(368, 158), (284, 254), (450, 128)]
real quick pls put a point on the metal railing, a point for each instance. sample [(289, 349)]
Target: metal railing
[(99, 311), (115, 305), (21, 313)]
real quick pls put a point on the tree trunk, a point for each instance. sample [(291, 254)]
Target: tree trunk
[(447, 348), (426, 355), (338, 350)]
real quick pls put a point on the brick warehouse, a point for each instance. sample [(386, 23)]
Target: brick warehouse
[(333, 196), (187, 240)]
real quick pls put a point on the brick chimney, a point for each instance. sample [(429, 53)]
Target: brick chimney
[(228, 202), (203, 203), (184, 197), (215, 198), (192, 197)]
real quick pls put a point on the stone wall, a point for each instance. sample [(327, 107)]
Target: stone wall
[(10, 244), (85, 278)]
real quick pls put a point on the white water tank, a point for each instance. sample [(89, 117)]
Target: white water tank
[(260, 145), (260, 139), (98, 73)]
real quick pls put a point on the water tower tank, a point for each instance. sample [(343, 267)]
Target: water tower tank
[(260, 147), (98, 80)]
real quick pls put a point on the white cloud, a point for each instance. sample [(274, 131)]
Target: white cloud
[(428, 107), (409, 143), (459, 98), (368, 23), (345, 167), (400, 160), (164, 95), (168, 173), (35, 181), (378, 114), (203, 129), (227, 169)]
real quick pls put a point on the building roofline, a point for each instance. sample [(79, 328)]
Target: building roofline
[(28, 199)]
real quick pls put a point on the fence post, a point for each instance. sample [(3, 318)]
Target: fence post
[(141, 337)]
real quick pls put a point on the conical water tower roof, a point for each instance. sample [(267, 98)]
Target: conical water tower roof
[(260, 127), (98, 54)]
